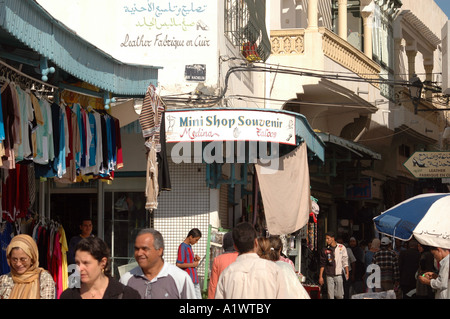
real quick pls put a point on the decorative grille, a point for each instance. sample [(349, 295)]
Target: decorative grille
[(185, 207)]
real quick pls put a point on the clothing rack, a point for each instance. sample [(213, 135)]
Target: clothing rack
[(5, 72), (45, 91), (8, 72)]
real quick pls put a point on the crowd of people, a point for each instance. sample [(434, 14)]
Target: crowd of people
[(250, 267), (257, 261), (409, 269)]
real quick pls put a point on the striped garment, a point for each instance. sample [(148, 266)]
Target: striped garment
[(186, 256), (150, 117)]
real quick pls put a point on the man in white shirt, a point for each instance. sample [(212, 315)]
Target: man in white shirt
[(250, 277), (333, 263), (440, 283)]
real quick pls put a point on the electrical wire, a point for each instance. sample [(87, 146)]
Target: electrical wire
[(303, 103), (201, 100)]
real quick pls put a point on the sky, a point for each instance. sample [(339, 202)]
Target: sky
[(444, 5)]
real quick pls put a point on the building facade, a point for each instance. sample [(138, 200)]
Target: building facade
[(352, 63), (340, 69)]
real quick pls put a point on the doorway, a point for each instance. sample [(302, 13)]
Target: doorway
[(69, 208)]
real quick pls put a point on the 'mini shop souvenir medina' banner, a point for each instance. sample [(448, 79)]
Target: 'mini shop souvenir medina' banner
[(230, 125)]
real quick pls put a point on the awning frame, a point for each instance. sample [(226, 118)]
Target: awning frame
[(361, 152)]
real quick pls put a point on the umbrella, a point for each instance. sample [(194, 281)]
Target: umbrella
[(425, 216)]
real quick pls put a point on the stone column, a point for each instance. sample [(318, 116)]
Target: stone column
[(368, 25), (313, 14), (428, 65), (411, 52), (342, 19), (398, 48)]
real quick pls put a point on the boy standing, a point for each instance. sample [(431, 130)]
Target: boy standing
[(187, 260)]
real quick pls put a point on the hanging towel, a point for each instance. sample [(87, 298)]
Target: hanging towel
[(285, 192)]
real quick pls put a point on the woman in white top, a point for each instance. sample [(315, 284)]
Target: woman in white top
[(270, 249)]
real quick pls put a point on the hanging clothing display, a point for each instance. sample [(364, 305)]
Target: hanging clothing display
[(312, 235), (152, 122), (15, 193), (67, 143), (286, 193), (52, 246), (41, 132), (5, 238), (161, 157), (42, 138)]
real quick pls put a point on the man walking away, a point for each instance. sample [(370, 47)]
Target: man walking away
[(250, 277)]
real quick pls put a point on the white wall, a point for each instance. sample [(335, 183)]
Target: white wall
[(171, 34)]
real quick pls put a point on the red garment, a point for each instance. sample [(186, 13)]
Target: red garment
[(15, 194), (57, 264), (219, 264), (119, 156)]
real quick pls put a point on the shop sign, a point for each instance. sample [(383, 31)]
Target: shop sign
[(195, 72), (360, 190), (429, 164), (230, 125)]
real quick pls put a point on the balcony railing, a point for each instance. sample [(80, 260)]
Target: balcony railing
[(287, 42), (349, 57), (291, 42)]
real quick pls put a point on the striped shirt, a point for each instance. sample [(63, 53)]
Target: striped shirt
[(186, 256), (151, 115)]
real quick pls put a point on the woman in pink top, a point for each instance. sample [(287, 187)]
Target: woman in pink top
[(221, 262)]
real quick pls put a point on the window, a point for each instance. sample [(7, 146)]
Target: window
[(245, 27), (404, 150), (125, 216), (383, 49), (354, 23)]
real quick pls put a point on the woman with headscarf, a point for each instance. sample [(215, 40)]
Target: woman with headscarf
[(26, 279)]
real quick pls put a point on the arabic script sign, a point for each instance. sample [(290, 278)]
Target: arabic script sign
[(230, 125), (429, 164), (173, 24)]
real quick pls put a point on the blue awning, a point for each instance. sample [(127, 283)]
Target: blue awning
[(29, 23)]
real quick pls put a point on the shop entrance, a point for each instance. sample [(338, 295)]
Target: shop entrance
[(124, 217), (121, 218), (68, 209)]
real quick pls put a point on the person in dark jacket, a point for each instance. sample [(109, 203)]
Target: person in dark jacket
[(408, 263), (93, 259)]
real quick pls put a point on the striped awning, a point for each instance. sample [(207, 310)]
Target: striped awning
[(29, 23)]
